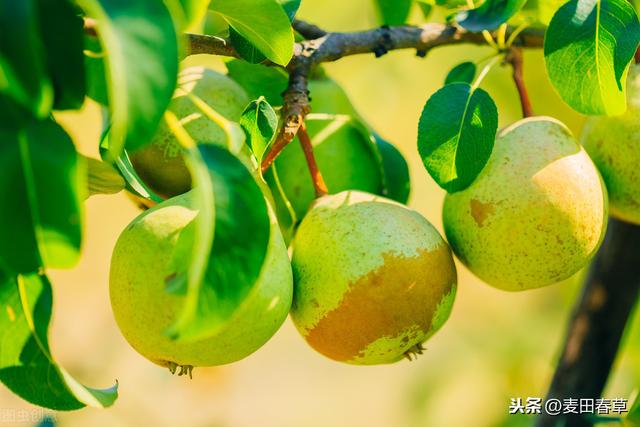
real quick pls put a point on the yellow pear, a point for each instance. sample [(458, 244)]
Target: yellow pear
[(537, 212), (372, 279)]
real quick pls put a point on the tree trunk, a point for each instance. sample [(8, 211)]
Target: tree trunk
[(597, 323)]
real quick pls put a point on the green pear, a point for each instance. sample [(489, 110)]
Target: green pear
[(160, 163), (372, 279), (614, 145), (142, 260), (537, 212)]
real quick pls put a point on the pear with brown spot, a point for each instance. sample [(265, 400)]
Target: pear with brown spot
[(372, 279), (537, 212), (614, 145)]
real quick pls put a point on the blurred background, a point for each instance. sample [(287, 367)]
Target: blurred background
[(495, 346)]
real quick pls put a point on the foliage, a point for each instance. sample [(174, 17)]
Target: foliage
[(125, 55)]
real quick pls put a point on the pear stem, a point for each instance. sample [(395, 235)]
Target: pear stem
[(514, 57), (318, 182)]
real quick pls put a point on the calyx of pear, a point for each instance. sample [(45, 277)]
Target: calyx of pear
[(160, 163), (372, 279), (614, 145), (142, 261), (535, 215)]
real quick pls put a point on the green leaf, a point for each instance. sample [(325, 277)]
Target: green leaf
[(290, 7), (23, 75), (397, 181), (102, 178), (258, 80), (45, 184), (223, 272), (134, 184), (63, 32), (587, 48), (489, 15), (26, 365), (464, 72), (456, 134), (249, 52), (260, 124), (393, 12), (141, 66), (426, 6), (245, 49), (263, 23)]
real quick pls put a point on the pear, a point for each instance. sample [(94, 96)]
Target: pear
[(537, 212), (614, 145), (372, 279), (142, 261), (160, 163)]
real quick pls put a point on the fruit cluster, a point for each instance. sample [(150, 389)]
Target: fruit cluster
[(369, 279)]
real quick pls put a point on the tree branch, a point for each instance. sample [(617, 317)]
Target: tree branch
[(316, 177), (598, 322), (514, 57), (307, 30)]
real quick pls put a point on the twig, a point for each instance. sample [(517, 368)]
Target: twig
[(307, 30), (318, 182), (333, 46), (514, 57), (598, 322), (296, 107)]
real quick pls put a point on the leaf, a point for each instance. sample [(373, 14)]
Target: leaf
[(249, 52), (26, 365), (489, 15), (290, 7), (587, 48), (260, 124), (464, 72), (230, 266), (141, 66), (426, 6), (43, 182), (63, 33), (456, 134), (258, 80), (397, 182), (263, 23), (245, 49), (134, 184), (393, 12), (23, 75), (102, 178)]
